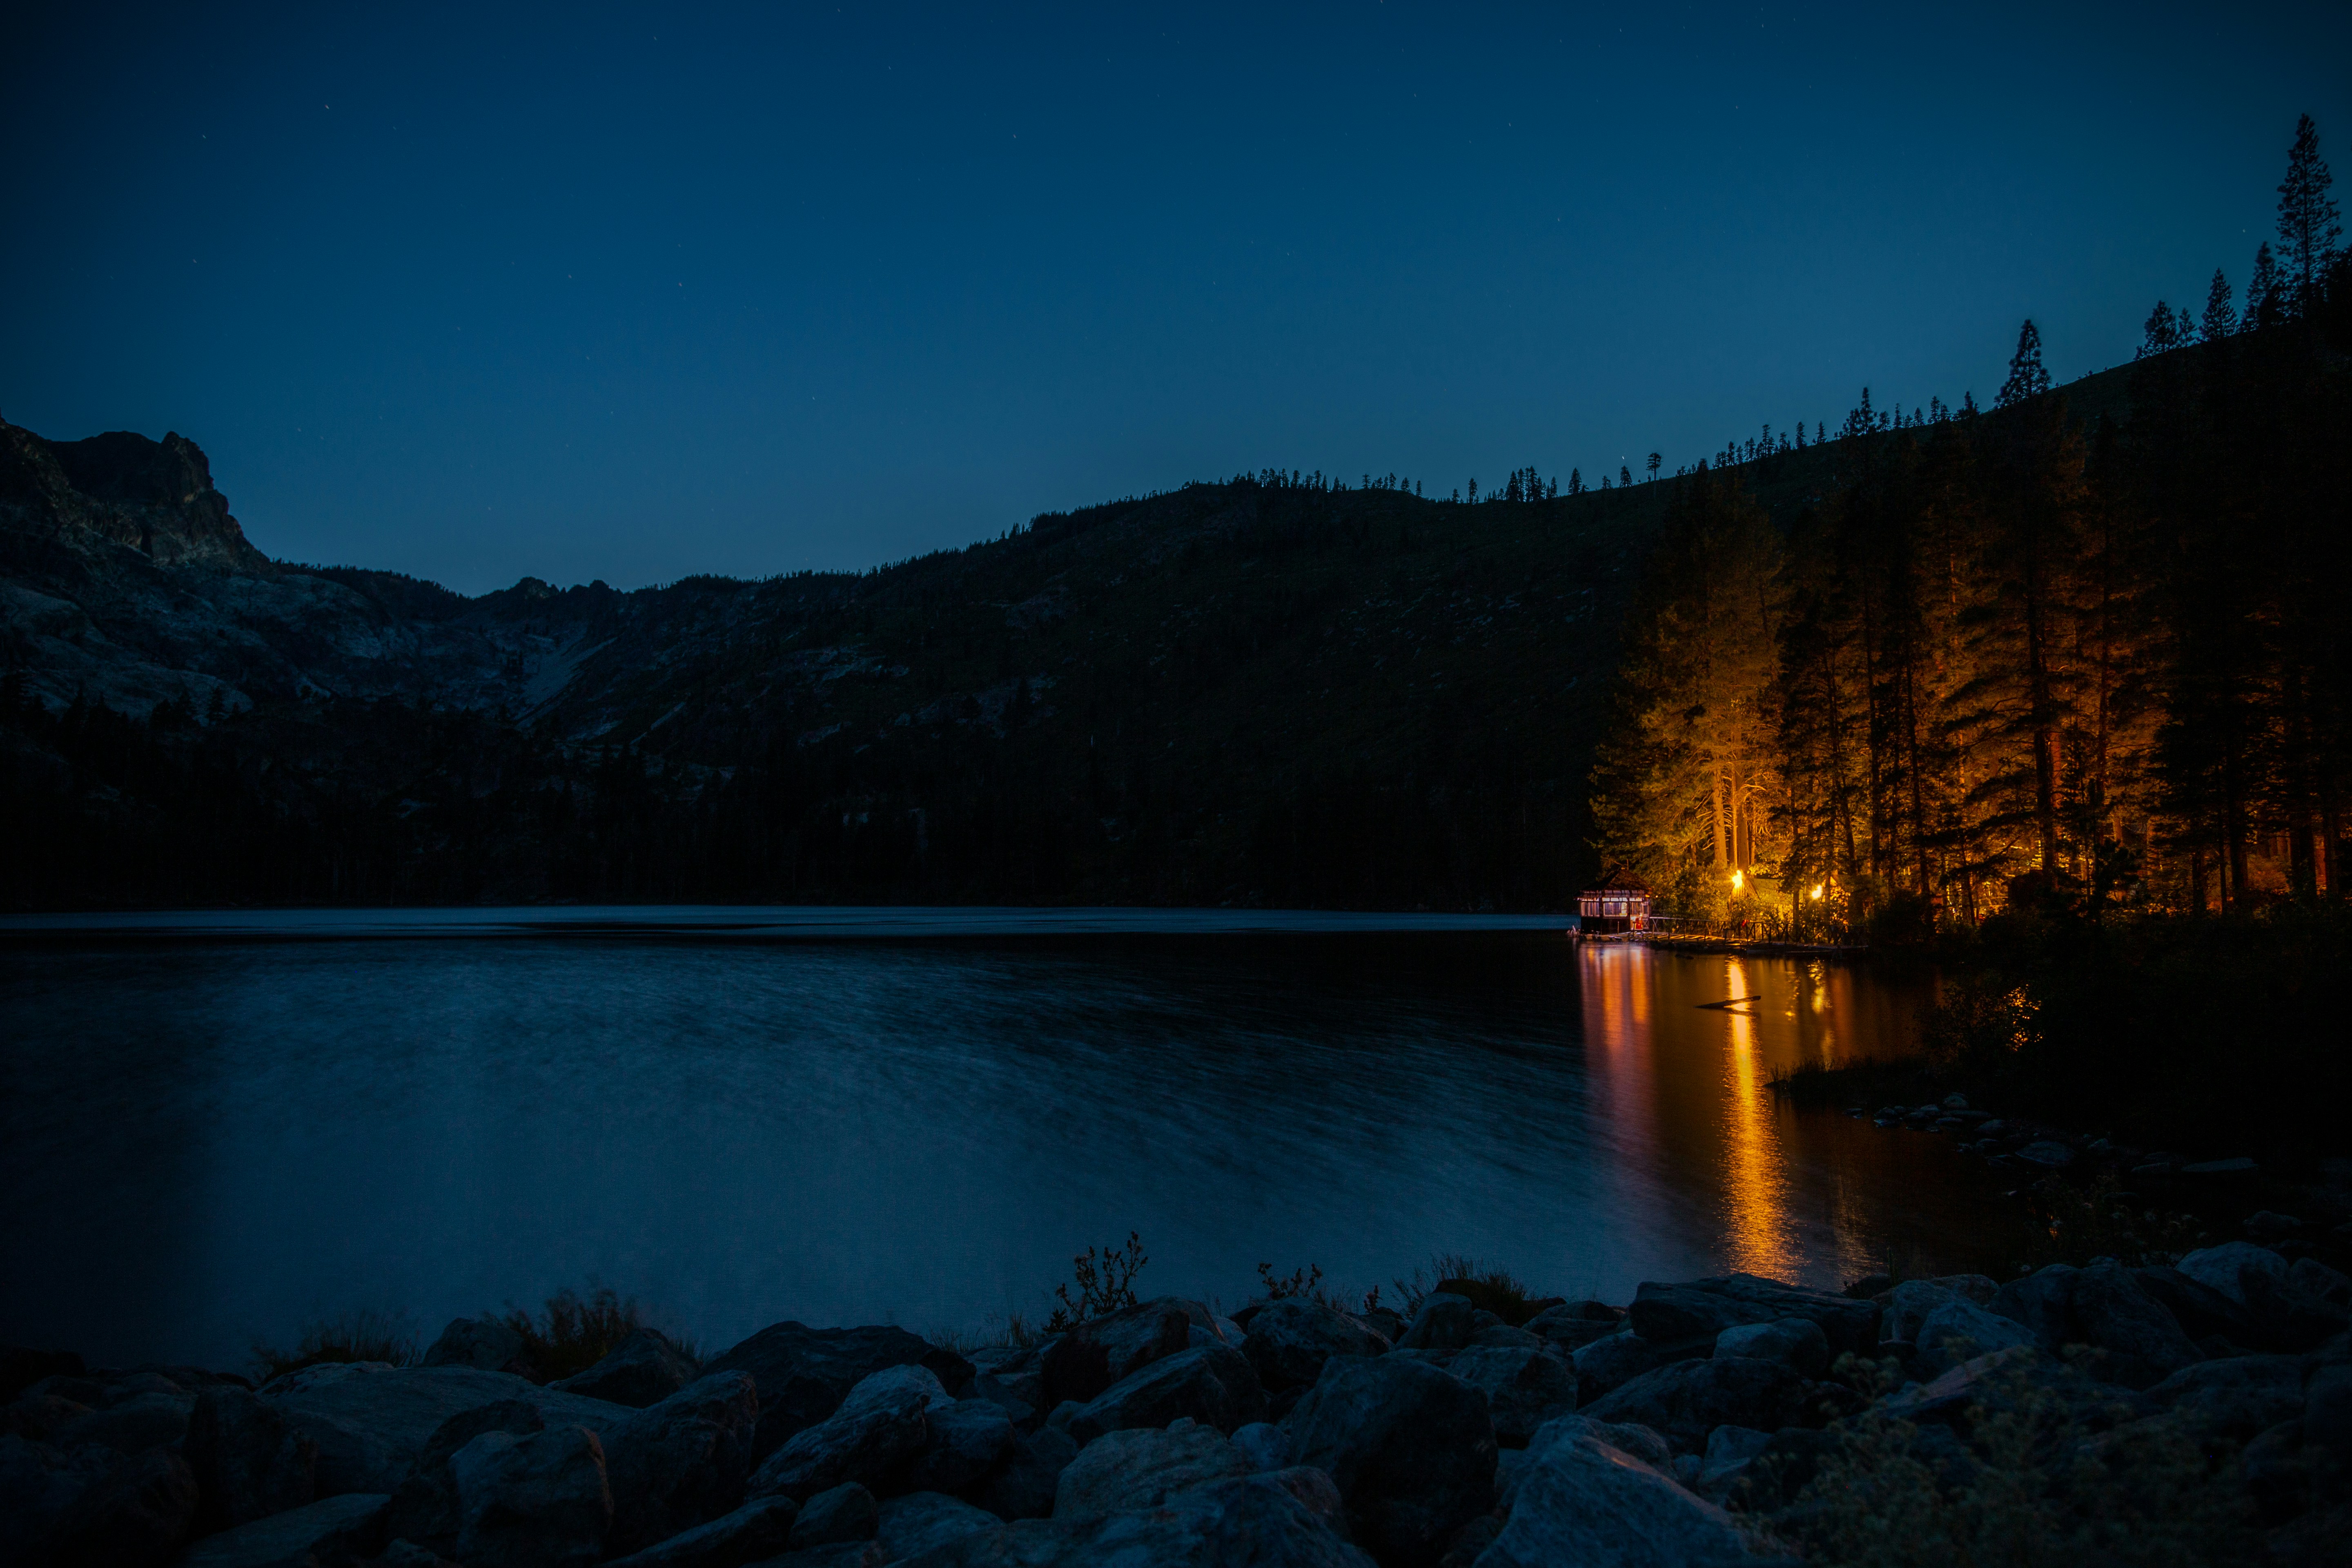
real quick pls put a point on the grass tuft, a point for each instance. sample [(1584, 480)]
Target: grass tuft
[(573, 1332), (363, 1335)]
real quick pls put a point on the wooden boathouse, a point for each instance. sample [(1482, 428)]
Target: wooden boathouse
[(1613, 912)]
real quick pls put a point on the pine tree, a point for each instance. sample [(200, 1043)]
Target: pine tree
[(1624, 476), (2308, 224), (1576, 481), (1654, 461), (2160, 333), (2265, 298), (2027, 378), (2220, 316)]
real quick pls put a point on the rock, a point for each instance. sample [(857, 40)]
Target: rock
[(1795, 1342), (2049, 1154), (1212, 1384), (2011, 1379), (1289, 1342), (1573, 1325), (1729, 1452), (1611, 1363), (1581, 1501), (871, 1439), (333, 1530), (21, 1367), (1015, 1380), (485, 1344), (138, 1514), (1685, 1401), (2327, 1406), (1138, 1467), (760, 1529), (249, 1462), (1524, 1388), (39, 1481), (2265, 1225), (1026, 1486), (371, 1419), (2224, 1268), (1676, 1315), (540, 1502), (2234, 1398), (424, 1507), (804, 1373), (1103, 1350), (2141, 1344), (2314, 1277), (1958, 1329), (2043, 1301), (2288, 1317), (1266, 1521), (682, 1462), (2238, 1166), (39, 1417), (1443, 1322), (1474, 1538), (1641, 1442), (1411, 1449), (970, 1438), (924, 1521), (133, 1421), (845, 1512), (842, 1554), (644, 1369), (1502, 1336), (1263, 1447)]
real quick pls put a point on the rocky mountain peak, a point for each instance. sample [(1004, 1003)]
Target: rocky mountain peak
[(156, 498)]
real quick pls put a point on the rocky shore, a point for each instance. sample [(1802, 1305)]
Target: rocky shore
[(1727, 1420)]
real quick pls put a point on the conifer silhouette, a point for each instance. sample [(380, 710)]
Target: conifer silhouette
[(2307, 222), (2027, 378)]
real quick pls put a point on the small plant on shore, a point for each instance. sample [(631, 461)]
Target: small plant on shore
[(363, 1335), (2076, 1223), (1300, 1282), (1459, 1274), (1106, 1282), (2034, 1481), (573, 1332)]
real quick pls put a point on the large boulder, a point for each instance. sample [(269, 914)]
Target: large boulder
[(1687, 1400), (1619, 1358), (1282, 1519), (1524, 1388), (2235, 1397), (484, 1344), (371, 1419), (2140, 1342), (1411, 1448), (249, 1461), (1444, 1321), (681, 1462), (1013, 1376), (970, 1438), (2224, 1268), (845, 1512), (2200, 1310), (872, 1439), (1289, 1341), (137, 1515), (1958, 1329), (424, 1507), (1102, 1351), (333, 1530), (1676, 1314), (644, 1369), (1140, 1468), (1797, 1344), (804, 1373), (38, 1481), (2043, 1301), (760, 1529), (1579, 1501), (540, 1502), (1025, 1485), (132, 1417), (924, 1521), (1212, 1384)]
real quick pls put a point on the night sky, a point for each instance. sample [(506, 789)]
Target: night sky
[(634, 293)]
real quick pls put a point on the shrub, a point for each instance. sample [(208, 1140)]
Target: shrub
[(573, 1332), (1459, 1274), (1106, 1283), (362, 1335)]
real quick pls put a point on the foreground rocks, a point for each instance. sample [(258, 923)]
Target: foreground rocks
[(1711, 1421)]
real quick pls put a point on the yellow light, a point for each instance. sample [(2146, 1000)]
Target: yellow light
[(1736, 879), (1817, 890)]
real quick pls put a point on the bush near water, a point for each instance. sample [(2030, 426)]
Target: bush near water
[(2187, 1411)]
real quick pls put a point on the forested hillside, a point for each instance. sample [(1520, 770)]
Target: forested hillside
[(2018, 655)]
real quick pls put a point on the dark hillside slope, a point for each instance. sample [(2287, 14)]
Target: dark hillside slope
[(1254, 692)]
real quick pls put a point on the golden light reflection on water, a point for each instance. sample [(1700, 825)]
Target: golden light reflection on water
[(1668, 1058)]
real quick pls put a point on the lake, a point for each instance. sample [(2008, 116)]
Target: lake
[(217, 1128)]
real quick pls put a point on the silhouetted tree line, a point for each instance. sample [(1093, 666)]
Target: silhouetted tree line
[(2009, 658)]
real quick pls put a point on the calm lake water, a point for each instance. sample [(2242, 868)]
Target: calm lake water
[(906, 1116)]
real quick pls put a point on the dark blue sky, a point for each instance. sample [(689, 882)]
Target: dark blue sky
[(634, 293)]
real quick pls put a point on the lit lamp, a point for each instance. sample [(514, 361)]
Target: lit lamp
[(1736, 879)]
